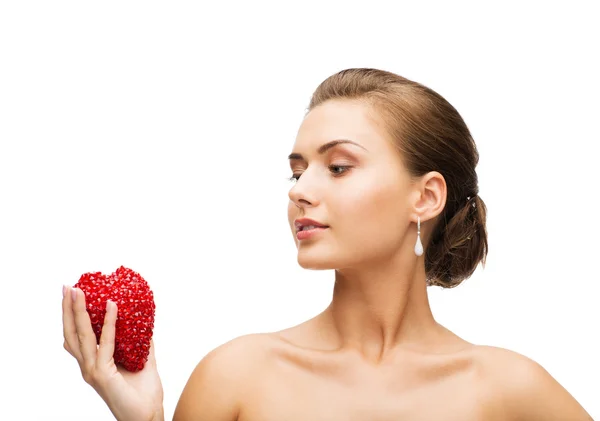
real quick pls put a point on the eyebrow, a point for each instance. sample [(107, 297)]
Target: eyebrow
[(325, 147)]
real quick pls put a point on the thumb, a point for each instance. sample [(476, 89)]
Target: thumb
[(151, 355)]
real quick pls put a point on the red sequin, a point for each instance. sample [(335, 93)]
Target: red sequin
[(135, 317)]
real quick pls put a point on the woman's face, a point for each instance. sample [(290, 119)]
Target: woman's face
[(358, 190)]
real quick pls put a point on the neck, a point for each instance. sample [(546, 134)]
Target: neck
[(378, 309)]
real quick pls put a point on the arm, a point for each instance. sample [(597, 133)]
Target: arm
[(214, 388), (531, 393), (541, 397)]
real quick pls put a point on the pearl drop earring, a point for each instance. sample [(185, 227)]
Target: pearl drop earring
[(419, 245)]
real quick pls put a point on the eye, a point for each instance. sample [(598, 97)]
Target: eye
[(338, 170)]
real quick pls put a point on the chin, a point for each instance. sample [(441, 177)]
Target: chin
[(314, 265), (318, 260)]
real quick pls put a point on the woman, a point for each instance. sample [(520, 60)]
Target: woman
[(386, 194)]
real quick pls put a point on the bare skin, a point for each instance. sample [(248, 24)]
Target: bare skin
[(376, 351)]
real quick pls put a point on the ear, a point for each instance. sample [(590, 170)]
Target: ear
[(430, 196)]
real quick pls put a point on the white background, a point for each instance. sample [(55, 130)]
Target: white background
[(155, 135)]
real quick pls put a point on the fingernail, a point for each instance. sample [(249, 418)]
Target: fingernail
[(74, 294), (64, 290), (111, 306)]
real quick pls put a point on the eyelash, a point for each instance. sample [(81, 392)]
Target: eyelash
[(345, 168)]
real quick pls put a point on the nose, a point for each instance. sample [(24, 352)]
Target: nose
[(304, 193)]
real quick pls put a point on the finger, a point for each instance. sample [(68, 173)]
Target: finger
[(85, 333), (69, 331), (151, 355), (107, 338)]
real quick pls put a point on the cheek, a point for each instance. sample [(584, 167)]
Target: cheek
[(370, 214)]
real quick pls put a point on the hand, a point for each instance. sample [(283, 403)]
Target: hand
[(130, 396)]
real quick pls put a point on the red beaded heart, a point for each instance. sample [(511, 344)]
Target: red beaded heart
[(135, 318)]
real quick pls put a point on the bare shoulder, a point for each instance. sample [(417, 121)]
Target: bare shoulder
[(523, 389), (216, 385)]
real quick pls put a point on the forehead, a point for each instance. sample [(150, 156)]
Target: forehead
[(342, 119)]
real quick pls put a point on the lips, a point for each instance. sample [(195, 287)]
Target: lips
[(305, 224)]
